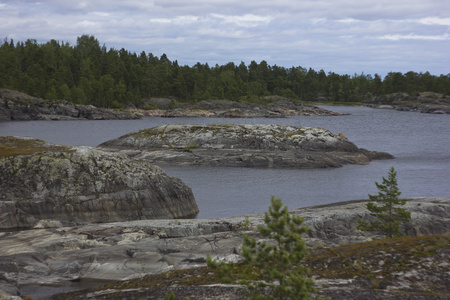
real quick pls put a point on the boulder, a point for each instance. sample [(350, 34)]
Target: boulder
[(263, 146), (43, 181)]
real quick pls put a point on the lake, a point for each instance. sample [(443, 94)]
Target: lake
[(420, 143)]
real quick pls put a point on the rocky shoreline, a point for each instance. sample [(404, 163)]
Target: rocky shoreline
[(277, 107), (17, 106), (260, 146), (62, 257), (426, 102), (77, 217)]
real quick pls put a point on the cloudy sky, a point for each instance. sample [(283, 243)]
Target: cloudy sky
[(342, 36)]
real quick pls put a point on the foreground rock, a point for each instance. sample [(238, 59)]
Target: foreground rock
[(262, 146), (404, 268), (425, 102), (69, 258), (21, 107), (275, 107), (74, 185)]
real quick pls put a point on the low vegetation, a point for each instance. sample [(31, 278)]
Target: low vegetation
[(273, 267), (10, 146)]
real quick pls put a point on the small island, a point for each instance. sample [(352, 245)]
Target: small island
[(261, 146)]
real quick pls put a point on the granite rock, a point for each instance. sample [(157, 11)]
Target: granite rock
[(126, 250), (73, 185), (262, 146)]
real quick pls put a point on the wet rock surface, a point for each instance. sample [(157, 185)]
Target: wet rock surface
[(261, 146), (17, 106), (74, 185), (176, 250)]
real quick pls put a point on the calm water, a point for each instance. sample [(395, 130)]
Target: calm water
[(420, 143)]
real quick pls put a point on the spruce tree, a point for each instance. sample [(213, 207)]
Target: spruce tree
[(273, 267), (385, 206)]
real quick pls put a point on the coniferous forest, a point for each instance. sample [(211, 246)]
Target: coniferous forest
[(88, 73)]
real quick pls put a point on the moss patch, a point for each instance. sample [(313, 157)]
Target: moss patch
[(11, 146), (342, 261)]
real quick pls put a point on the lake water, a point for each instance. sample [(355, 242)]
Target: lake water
[(420, 143)]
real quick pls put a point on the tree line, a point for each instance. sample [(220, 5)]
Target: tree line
[(88, 73)]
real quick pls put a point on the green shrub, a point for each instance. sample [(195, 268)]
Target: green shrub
[(272, 268), (389, 215)]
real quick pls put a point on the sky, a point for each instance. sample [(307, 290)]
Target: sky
[(341, 36)]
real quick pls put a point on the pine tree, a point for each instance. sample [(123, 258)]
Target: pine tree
[(386, 208), (274, 263)]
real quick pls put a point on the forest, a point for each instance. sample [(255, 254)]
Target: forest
[(88, 73)]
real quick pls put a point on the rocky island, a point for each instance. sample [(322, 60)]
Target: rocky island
[(40, 181), (262, 146)]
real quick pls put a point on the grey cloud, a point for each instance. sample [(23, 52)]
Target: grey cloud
[(344, 36), (396, 37)]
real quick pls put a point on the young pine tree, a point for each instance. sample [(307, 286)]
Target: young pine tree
[(385, 207), (273, 267)]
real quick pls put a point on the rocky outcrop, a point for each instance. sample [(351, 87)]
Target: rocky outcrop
[(21, 107), (425, 102), (275, 107), (76, 185), (70, 257), (262, 146)]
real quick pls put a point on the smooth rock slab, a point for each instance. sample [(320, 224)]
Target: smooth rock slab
[(123, 250)]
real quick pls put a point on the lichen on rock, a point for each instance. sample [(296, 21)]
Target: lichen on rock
[(39, 180), (265, 146), (346, 263)]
